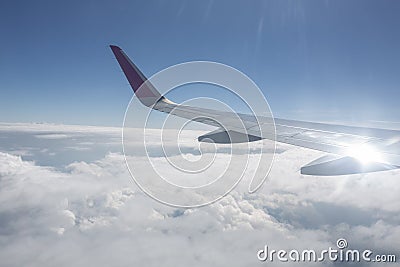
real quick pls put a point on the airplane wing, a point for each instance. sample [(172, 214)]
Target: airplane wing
[(351, 149)]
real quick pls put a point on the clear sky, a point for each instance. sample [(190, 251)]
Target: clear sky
[(317, 60)]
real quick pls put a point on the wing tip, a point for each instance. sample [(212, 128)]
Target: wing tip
[(115, 47)]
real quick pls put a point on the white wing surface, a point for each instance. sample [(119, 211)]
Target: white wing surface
[(351, 149)]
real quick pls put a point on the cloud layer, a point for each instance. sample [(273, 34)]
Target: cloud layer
[(88, 212)]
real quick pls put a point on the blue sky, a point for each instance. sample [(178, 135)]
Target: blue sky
[(315, 60)]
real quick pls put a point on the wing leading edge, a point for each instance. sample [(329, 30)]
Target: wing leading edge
[(353, 149)]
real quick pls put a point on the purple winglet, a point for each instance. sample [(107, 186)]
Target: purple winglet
[(134, 75)]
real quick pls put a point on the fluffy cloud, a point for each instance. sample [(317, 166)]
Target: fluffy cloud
[(86, 211)]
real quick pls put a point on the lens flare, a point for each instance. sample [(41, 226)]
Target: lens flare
[(364, 153)]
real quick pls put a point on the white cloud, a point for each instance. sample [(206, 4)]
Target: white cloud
[(90, 213)]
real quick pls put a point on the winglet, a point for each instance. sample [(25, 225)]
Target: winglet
[(147, 94)]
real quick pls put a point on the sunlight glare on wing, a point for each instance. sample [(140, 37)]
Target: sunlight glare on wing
[(364, 153)]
